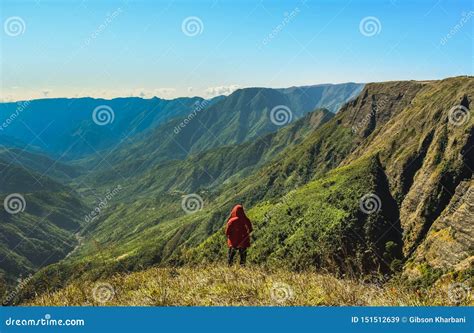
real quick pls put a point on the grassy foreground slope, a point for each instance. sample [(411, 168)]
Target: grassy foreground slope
[(250, 286)]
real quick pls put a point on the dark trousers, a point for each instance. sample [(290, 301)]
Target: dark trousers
[(233, 251)]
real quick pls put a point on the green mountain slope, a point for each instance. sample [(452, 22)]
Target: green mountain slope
[(216, 166), (424, 152), (38, 220), (40, 163), (321, 225), (156, 200)]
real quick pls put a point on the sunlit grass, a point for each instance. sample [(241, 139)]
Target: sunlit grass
[(236, 286)]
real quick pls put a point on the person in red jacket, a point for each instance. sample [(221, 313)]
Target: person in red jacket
[(238, 229)]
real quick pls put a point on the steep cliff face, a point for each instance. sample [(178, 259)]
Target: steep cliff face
[(376, 105), (449, 244), (425, 149)]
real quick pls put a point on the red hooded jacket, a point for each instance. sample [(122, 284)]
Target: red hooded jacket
[(238, 228)]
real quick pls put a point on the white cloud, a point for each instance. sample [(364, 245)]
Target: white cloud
[(6, 99), (165, 92), (146, 93), (221, 90)]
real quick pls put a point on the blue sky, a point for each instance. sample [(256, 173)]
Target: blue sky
[(141, 48)]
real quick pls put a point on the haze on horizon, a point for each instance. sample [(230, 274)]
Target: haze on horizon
[(171, 49)]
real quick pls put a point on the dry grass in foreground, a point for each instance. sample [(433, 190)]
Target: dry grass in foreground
[(222, 286)]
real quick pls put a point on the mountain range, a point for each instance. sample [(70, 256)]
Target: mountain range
[(46, 134), (350, 179)]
